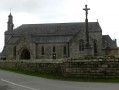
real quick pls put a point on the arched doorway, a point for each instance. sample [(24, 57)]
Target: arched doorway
[(25, 54)]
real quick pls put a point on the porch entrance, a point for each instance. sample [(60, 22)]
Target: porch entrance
[(25, 54)]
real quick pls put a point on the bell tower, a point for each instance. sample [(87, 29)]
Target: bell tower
[(10, 24)]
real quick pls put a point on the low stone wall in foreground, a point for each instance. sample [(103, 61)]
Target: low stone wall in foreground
[(67, 68), (92, 68), (32, 66)]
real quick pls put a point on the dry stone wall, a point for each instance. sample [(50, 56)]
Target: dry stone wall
[(68, 68), (43, 68), (92, 68)]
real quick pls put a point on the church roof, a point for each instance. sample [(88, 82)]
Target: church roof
[(13, 40), (52, 32), (107, 41), (43, 39), (56, 28), (52, 39)]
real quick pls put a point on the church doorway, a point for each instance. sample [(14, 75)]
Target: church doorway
[(25, 54)]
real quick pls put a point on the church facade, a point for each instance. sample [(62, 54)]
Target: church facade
[(53, 41)]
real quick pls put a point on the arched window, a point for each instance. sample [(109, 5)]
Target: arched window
[(95, 46), (65, 50), (54, 49), (81, 45), (54, 52), (14, 50), (42, 50)]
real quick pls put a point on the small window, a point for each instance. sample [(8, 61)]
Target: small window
[(14, 51), (95, 46), (42, 50), (81, 45), (54, 49), (65, 50)]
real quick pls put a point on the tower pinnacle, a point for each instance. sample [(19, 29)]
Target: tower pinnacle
[(10, 24)]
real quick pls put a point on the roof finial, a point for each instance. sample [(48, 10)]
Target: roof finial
[(10, 15), (97, 20)]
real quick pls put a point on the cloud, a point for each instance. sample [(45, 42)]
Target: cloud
[(45, 9), (29, 5)]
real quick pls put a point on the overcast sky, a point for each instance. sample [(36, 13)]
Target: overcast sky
[(60, 11)]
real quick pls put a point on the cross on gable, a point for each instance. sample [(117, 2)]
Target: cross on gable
[(86, 9)]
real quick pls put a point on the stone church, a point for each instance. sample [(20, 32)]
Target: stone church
[(54, 41)]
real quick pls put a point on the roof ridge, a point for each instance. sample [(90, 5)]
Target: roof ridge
[(59, 23)]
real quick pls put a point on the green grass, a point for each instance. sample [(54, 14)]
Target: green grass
[(59, 77)]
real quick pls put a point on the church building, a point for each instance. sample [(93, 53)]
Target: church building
[(54, 41)]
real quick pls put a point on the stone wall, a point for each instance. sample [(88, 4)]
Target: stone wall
[(35, 50), (98, 37), (48, 50), (92, 68), (96, 68), (74, 44), (32, 66)]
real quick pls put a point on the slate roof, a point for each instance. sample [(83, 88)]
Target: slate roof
[(43, 39), (13, 40), (107, 41), (52, 32), (56, 28), (52, 39)]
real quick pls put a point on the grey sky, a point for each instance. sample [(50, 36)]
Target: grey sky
[(31, 6), (45, 9)]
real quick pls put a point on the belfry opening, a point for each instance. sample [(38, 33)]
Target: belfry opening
[(25, 55)]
